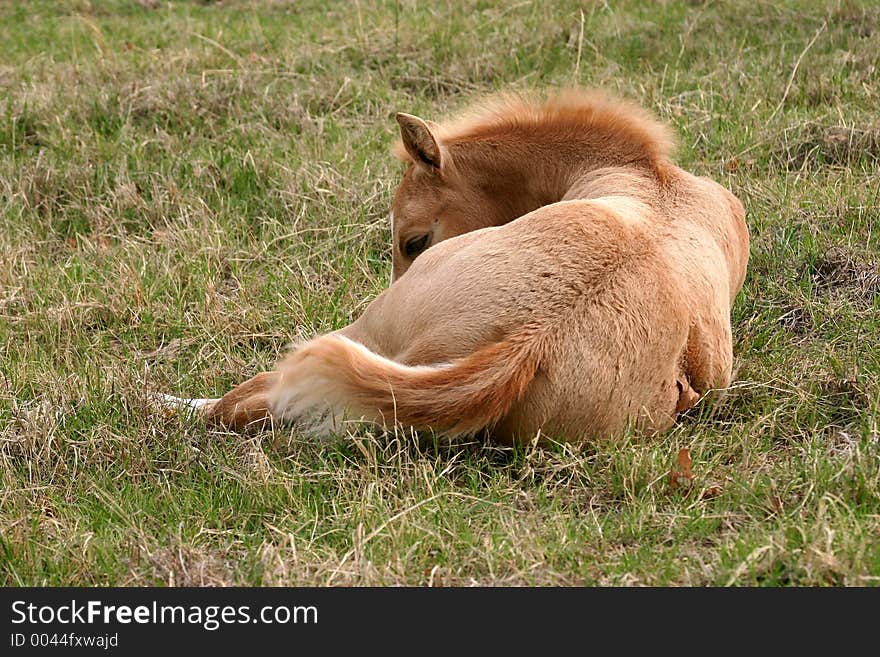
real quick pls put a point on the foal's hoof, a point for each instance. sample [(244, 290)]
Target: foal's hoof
[(172, 405), (687, 396)]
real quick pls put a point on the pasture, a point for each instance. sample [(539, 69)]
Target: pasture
[(188, 187)]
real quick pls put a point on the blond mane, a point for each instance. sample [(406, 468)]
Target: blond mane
[(592, 113)]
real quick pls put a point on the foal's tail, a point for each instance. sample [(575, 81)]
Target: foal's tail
[(459, 397)]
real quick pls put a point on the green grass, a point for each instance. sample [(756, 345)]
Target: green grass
[(188, 187)]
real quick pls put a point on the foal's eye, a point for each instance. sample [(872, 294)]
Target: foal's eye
[(415, 246)]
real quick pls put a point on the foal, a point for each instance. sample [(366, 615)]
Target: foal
[(552, 271)]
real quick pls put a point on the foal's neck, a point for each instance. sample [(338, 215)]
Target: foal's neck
[(522, 176)]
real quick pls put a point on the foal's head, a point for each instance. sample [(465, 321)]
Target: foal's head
[(438, 198)]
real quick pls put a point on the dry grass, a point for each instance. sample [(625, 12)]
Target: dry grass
[(189, 187)]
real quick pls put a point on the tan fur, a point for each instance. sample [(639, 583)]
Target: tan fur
[(463, 396), (628, 126), (577, 282), (246, 405)]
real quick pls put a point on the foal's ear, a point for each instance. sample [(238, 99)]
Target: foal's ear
[(419, 142)]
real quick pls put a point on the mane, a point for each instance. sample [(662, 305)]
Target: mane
[(592, 113)]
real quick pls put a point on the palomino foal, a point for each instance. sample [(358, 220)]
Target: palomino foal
[(562, 275)]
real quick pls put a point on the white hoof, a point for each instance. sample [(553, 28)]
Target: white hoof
[(178, 403)]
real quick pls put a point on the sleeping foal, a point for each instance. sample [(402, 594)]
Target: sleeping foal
[(553, 271)]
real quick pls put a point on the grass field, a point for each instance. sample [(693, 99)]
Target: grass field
[(188, 187)]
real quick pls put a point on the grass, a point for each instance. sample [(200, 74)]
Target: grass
[(188, 187)]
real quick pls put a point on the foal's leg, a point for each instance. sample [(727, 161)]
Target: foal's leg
[(244, 405), (248, 403), (709, 352)]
